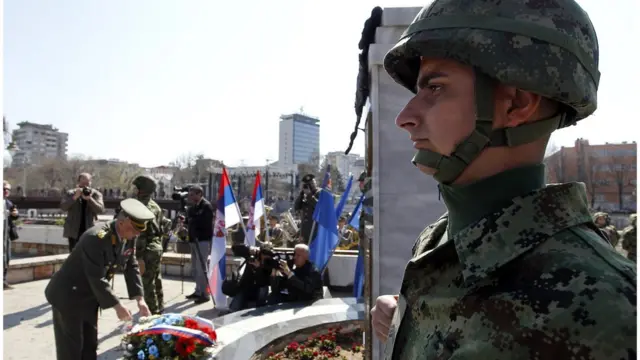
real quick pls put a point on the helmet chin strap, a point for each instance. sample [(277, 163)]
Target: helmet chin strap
[(449, 168)]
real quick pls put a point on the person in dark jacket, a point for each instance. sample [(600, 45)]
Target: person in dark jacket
[(10, 231), (302, 283), (83, 205)]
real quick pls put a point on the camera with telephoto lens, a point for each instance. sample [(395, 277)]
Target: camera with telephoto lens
[(86, 191), (269, 263)]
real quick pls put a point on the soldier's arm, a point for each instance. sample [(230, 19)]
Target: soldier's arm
[(96, 203), (313, 200), (298, 203), (93, 264), (132, 278), (67, 201)]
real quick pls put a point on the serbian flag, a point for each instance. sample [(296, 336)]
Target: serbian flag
[(227, 215), (256, 212)]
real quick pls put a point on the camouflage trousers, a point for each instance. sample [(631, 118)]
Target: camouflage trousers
[(152, 281)]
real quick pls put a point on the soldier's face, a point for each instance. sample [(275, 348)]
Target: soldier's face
[(127, 230), (442, 113), (273, 222)]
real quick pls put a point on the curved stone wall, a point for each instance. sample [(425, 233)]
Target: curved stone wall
[(245, 333)]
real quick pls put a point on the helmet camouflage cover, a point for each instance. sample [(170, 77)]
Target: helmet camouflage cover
[(145, 184), (600, 214), (546, 47)]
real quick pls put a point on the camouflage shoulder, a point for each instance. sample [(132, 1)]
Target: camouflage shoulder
[(595, 286), (154, 207), (431, 235), (583, 247)]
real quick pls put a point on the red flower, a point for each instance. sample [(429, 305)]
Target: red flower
[(315, 353), (191, 324)]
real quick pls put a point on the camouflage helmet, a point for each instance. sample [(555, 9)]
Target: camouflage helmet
[(550, 50), (145, 184), (601, 214)]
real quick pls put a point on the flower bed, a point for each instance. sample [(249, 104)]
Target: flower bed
[(334, 343), (169, 336)]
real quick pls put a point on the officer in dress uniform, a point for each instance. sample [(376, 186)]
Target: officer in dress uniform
[(81, 286)]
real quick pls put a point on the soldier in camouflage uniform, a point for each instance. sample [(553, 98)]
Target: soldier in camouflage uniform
[(515, 269), (149, 245), (630, 238), (603, 222)]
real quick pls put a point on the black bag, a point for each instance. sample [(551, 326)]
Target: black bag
[(231, 287)]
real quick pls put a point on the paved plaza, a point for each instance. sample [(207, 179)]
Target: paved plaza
[(28, 328)]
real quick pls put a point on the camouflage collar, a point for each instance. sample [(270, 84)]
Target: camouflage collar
[(496, 239)]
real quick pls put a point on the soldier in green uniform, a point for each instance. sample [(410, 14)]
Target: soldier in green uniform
[(150, 245), (630, 238), (603, 222), (515, 269), (81, 286)]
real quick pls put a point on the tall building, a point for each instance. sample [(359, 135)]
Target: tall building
[(608, 172), (37, 141), (346, 164), (299, 139)]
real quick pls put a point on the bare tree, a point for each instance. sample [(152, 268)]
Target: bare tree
[(621, 174), (556, 172), (597, 177)]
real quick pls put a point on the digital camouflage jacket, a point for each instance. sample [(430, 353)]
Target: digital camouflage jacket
[(532, 281)]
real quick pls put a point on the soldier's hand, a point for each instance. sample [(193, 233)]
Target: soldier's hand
[(144, 309), (123, 313), (382, 314)]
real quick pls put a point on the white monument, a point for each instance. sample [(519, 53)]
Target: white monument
[(405, 200)]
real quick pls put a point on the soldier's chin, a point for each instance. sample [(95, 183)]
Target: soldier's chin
[(426, 170)]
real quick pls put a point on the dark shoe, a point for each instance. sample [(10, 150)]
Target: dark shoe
[(192, 296), (7, 286), (201, 300)]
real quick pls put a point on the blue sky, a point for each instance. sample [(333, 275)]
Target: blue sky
[(148, 80)]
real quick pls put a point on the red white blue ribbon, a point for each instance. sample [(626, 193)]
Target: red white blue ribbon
[(179, 332)]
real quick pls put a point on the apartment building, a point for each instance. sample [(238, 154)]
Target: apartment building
[(608, 171)]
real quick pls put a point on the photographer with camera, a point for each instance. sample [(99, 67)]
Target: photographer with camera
[(83, 205), (200, 229), (252, 288), (305, 205), (302, 283)]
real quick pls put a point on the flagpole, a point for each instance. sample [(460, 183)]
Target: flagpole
[(267, 238)]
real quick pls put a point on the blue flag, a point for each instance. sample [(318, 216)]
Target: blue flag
[(358, 278), (327, 238), (343, 199), (355, 215)]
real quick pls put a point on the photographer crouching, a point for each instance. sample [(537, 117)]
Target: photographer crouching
[(252, 288), (302, 283)]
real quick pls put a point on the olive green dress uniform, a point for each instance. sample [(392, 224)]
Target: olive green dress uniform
[(81, 286)]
